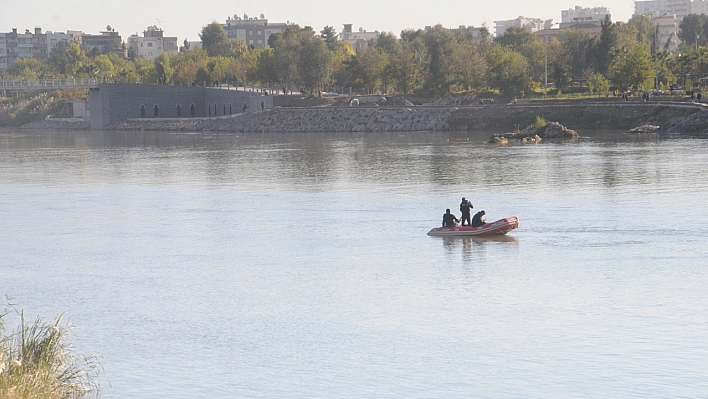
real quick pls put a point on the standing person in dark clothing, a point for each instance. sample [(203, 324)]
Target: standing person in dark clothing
[(478, 219), (449, 220), (465, 207)]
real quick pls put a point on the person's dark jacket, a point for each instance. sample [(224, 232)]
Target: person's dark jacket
[(478, 220), (449, 220), (465, 207)]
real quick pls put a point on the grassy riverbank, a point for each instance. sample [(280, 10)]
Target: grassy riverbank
[(37, 361), (29, 107)]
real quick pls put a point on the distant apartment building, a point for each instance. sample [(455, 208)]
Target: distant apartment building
[(152, 43), (583, 19), (14, 46), (532, 24), (108, 41), (252, 31), (580, 14), (477, 33), (699, 7), (657, 8), (668, 26), (359, 39)]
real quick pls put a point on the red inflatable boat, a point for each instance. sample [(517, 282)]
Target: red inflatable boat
[(501, 226)]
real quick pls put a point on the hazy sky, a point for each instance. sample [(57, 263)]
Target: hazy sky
[(185, 19)]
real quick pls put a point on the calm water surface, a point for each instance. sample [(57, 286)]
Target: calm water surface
[(294, 265)]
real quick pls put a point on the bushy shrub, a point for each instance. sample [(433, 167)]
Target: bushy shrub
[(37, 361)]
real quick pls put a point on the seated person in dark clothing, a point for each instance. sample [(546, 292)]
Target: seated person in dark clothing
[(449, 220), (478, 219)]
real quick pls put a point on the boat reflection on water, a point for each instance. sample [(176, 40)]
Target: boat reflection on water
[(475, 249), (456, 241)]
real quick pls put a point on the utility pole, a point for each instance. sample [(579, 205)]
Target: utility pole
[(656, 59), (545, 57)]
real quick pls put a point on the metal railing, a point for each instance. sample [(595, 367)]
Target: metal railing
[(44, 84)]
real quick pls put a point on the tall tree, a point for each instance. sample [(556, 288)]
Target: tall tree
[(507, 70), (527, 44), (368, 67), (604, 46), (315, 65), (632, 67), (163, 69), (329, 34), (215, 40), (440, 44), (692, 29)]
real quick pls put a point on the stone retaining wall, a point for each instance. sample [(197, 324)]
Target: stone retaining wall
[(500, 118), (333, 119)]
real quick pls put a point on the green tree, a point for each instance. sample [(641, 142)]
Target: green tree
[(163, 69), (439, 44), (29, 68), (527, 44), (286, 52), (507, 70), (401, 70), (315, 65), (632, 67), (215, 40), (368, 67), (469, 67), (388, 42), (341, 58), (646, 29), (58, 58), (605, 45), (329, 34), (597, 84), (693, 29), (575, 52)]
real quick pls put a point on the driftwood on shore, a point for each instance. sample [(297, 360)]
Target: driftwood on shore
[(534, 134)]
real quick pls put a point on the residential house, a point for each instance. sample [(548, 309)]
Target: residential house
[(152, 43), (532, 24), (359, 39), (252, 31)]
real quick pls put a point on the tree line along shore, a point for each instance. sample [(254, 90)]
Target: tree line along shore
[(625, 56)]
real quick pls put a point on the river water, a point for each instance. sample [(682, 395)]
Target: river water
[(298, 265)]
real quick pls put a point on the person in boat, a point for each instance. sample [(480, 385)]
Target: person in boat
[(478, 219), (449, 220), (465, 207)]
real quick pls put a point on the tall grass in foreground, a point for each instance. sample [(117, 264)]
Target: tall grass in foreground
[(37, 362)]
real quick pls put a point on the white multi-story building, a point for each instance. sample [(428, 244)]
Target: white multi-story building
[(580, 14), (657, 8), (252, 31), (14, 46), (668, 25), (152, 43), (532, 24), (699, 7), (359, 39)]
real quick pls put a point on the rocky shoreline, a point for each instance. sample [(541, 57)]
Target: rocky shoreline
[(682, 118), (534, 134), (330, 119)]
